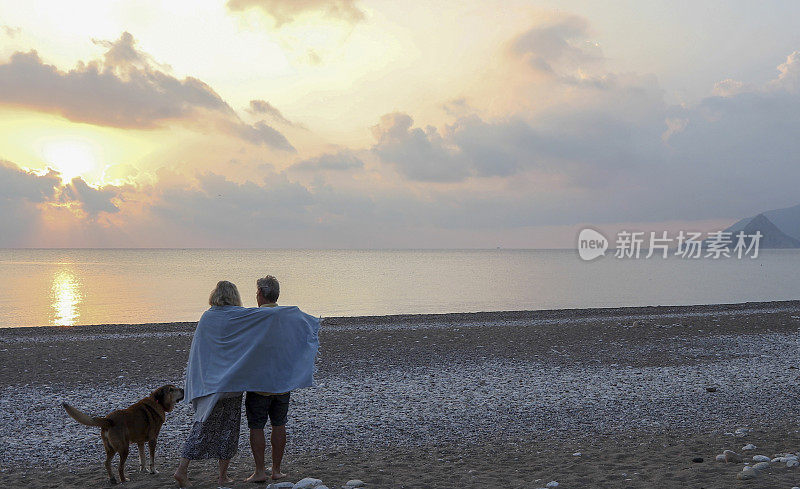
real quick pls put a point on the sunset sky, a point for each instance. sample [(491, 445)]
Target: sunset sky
[(373, 124)]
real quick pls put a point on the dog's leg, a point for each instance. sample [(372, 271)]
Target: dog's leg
[(123, 455), (109, 456), (141, 456), (152, 445)]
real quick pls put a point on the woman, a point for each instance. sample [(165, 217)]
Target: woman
[(215, 431)]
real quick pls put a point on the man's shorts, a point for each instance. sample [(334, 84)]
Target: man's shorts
[(260, 407)]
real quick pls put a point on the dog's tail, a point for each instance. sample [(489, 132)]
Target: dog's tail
[(85, 418)]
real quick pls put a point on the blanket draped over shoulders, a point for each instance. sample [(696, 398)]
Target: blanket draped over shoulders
[(267, 349)]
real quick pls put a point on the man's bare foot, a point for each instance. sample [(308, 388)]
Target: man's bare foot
[(277, 475), (225, 480), (257, 477), (181, 478)]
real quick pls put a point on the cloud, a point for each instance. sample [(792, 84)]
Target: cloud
[(92, 200), (416, 154), (585, 147), (789, 77), (340, 161), (21, 194), (558, 44), (10, 31), (262, 107), (126, 90), (287, 11), (594, 147), (234, 213), (262, 133), (737, 152), (18, 184)]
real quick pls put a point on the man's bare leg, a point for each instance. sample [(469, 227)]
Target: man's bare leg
[(278, 441), (258, 444)]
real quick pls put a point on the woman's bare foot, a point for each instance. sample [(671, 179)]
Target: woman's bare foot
[(225, 481), (257, 477), (277, 475), (181, 478)]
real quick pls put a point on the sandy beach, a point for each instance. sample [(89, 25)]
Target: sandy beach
[(596, 398)]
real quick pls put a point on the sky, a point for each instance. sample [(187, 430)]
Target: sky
[(384, 124)]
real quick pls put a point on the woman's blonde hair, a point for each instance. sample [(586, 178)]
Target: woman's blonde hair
[(225, 294)]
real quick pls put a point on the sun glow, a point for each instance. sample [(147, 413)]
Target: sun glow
[(66, 296), (70, 158)]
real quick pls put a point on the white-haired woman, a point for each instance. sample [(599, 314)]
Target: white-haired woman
[(215, 431)]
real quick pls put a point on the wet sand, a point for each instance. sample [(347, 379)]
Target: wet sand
[(461, 400)]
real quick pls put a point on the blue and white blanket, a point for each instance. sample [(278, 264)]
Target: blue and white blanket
[(260, 349)]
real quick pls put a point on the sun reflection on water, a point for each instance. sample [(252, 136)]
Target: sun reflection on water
[(66, 296)]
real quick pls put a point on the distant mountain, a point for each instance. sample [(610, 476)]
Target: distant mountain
[(771, 235), (787, 220)]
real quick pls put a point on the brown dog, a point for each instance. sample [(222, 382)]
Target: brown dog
[(138, 423)]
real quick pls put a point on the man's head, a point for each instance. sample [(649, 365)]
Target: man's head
[(268, 290)]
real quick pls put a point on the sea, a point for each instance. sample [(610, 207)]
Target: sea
[(67, 287)]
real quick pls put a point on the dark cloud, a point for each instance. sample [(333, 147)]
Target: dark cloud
[(588, 146), (92, 200), (21, 193), (262, 133), (123, 90), (218, 207), (262, 107), (736, 154), (286, 11), (415, 153), (340, 161), (18, 184)]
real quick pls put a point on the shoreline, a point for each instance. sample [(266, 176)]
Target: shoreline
[(569, 314), (473, 398)]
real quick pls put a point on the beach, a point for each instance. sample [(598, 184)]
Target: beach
[(618, 397)]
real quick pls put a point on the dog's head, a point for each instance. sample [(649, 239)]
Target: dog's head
[(168, 395)]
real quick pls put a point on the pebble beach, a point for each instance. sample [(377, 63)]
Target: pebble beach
[(621, 397)]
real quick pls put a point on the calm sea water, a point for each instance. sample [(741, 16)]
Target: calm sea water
[(69, 287)]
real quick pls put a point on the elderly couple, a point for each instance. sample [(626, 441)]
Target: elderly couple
[(265, 352)]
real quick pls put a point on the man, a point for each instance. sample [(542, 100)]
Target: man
[(261, 406)]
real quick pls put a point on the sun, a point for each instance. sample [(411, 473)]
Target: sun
[(71, 158)]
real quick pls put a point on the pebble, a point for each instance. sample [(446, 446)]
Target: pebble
[(761, 466), (280, 485), (792, 463), (552, 484), (747, 473), (721, 458), (732, 457), (576, 454), (761, 458), (354, 483), (697, 460), (749, 446), (307, 483), (741, 431)]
